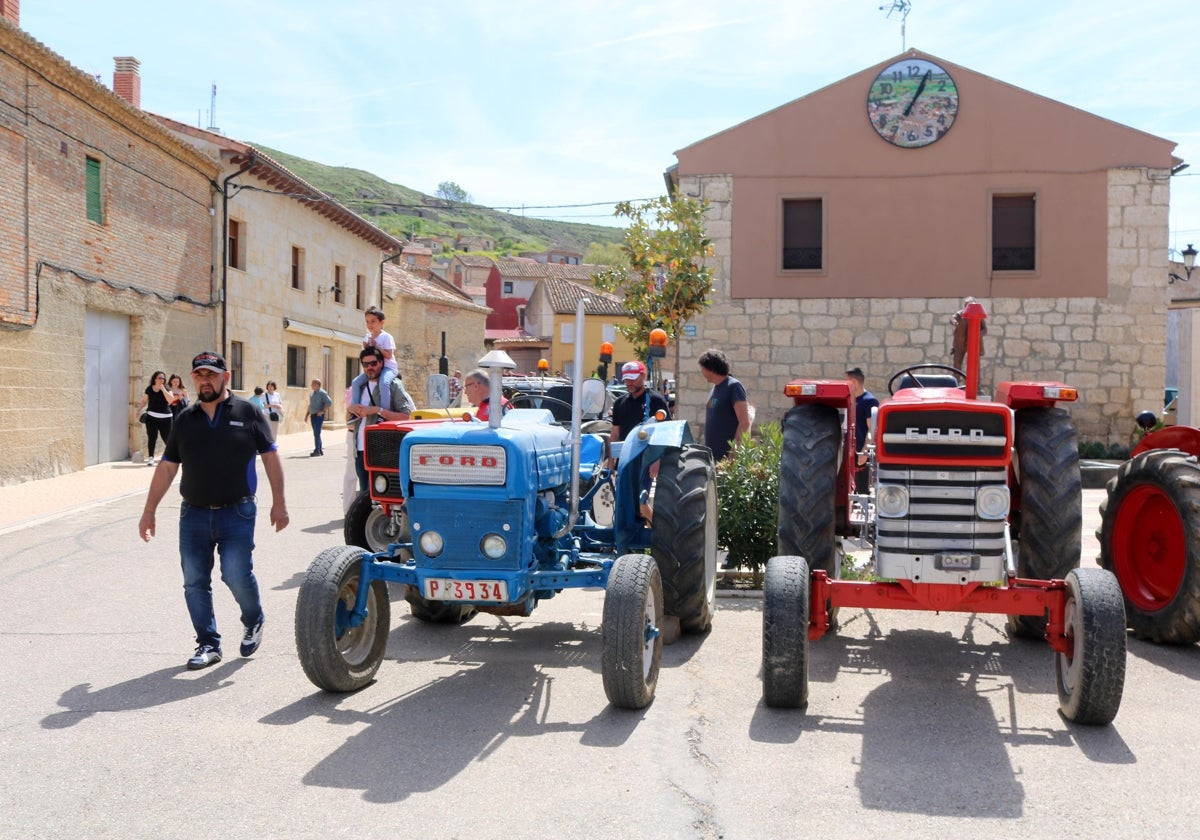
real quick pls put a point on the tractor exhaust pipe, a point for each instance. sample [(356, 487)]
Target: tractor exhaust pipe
[(576, 421)]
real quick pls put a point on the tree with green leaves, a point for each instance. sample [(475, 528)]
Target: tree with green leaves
[(450, 191), (665, 282)]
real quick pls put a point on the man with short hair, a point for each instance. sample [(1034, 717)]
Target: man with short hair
[(319, 402), (638, 404), (215, 440), (372, 399), (864, 425)]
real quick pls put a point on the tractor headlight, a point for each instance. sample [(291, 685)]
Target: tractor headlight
[(992, 502), (493, 546), (431, 543), (891, 500), (380, 483)]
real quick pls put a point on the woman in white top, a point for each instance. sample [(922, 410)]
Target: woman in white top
[(274, 408)]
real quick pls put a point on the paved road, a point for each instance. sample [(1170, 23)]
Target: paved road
[(919, 725)]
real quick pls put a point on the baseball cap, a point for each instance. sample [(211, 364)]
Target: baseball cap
[(209, 361), (632, 370)]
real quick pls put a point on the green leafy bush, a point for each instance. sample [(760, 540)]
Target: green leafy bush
[(748, 498)]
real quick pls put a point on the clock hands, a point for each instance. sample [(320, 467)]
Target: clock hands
[(920, 90)]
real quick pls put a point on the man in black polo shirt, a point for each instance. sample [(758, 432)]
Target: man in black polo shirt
[(637, 406), (216, 439)]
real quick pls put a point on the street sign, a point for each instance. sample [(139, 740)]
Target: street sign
[(689, 330)]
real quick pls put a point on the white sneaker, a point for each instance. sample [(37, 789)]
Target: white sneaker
[(149, 462)]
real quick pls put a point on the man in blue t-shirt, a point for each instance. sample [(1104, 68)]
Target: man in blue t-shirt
[(727, 413), (864, 424)]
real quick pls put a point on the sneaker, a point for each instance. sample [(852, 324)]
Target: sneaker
[(313, 454), (252, 638), (149, 462), (204, 656)]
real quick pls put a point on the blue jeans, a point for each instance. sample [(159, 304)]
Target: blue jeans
[(230, 530), (317, 423)]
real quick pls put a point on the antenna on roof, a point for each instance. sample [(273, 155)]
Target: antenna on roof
[(901, 8), (212, 112)]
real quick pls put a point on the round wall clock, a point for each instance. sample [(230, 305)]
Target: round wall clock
[(912, 103)]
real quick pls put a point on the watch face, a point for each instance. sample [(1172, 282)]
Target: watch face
[(912, 103)]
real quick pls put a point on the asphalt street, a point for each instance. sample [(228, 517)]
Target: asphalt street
[(919, 725)]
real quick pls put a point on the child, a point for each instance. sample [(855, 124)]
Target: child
[(383, 342)]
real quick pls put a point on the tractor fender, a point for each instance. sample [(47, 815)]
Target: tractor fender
[(1184, 438)]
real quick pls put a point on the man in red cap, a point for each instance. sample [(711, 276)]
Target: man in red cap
[(639, 403)]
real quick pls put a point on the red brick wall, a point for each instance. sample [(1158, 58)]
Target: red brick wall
[(157, 232), (11, 9)]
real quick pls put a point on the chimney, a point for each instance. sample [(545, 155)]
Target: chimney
[(127, 84), (11, 9)]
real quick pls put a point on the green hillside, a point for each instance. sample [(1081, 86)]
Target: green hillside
[(404, 213)]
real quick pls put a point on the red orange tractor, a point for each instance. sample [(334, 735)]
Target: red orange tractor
[(974, 506), (1150, 535)]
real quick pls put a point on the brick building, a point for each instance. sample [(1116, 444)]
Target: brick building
[(106, 244)]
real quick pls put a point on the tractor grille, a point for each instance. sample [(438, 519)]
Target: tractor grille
[(945, 433), (941, 516), (382, 451)]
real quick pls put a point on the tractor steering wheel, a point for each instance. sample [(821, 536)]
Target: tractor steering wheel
[(539, 401), (911, 370)]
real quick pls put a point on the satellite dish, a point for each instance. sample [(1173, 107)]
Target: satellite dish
[(437, 390)]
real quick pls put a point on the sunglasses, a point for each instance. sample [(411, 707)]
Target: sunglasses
[(371, 364)]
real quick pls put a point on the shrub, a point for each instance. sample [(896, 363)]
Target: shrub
[(748, 498)]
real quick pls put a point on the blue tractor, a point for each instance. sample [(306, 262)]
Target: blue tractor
[(501, 515)]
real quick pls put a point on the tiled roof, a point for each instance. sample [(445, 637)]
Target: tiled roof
[(533, 270), (565, 295), (399, 281)]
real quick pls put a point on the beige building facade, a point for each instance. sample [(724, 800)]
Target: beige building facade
[(551, 315), (836, 247)]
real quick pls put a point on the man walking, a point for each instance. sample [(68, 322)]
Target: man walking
[(215, 440), (727, 412), (318, 403)]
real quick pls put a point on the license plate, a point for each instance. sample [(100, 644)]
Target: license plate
[(448, 589), (957, 562)]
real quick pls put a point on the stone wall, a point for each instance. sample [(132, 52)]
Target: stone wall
[(1112, 349)]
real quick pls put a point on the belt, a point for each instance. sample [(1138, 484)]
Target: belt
[(240, 501)]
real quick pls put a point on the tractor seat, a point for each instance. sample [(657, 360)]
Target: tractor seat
[(929, 380)]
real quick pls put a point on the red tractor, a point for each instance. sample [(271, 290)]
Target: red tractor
[(1150, 535), (974, 506)]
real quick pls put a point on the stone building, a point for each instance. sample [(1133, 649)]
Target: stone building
[(849, 224), (296, 270), (106, 243)]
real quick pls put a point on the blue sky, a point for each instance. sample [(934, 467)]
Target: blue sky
[(558, 102)]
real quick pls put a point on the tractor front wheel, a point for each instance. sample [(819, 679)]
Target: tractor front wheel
[(684, 536), (334, 655), (786, 590), (1050, 531), (1091, 678), (1150, 539), (630, 637)]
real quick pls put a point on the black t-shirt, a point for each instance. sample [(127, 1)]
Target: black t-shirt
[(218, 457), (629, 410)]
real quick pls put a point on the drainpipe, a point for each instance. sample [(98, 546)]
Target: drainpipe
[(225, 247), (381, 264)]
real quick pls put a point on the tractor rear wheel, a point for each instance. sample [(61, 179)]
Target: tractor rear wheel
[(808, 485), (683, 536), (334, 655), (1150, 539), (369, 527), (1050, 530), (1092, 678), (786, 588), (437, 612), (630, 636)]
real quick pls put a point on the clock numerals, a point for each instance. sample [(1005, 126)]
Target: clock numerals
[(912, 103)]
